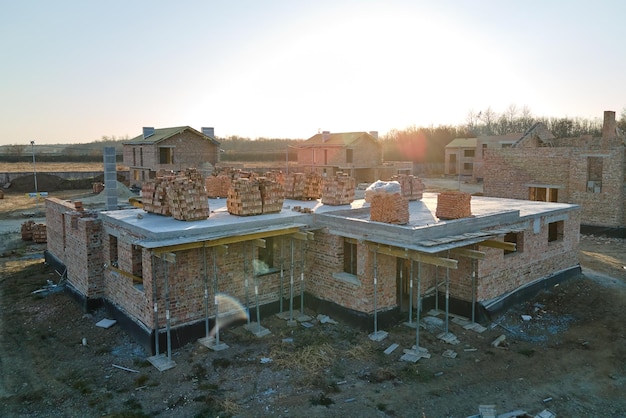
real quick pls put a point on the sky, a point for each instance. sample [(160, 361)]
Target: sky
[(73, 71)]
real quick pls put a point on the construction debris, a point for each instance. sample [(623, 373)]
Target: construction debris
[(498, 341), (449, 354), (391, 348), (414, 354)]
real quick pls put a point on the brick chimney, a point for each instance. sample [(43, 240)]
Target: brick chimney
[(610, 126), (148, 131), (325, 136)]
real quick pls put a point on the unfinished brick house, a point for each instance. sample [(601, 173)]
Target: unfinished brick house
[(465, 155), (170, 149), (159, 275), (357, 153), (586, 171)]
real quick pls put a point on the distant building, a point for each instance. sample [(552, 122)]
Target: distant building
[(466, 155), (358, 154), (169, 149), (586, 171)]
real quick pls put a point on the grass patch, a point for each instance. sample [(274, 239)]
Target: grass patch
[(142, 380)]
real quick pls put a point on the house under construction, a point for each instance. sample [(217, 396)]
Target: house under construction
[(161, 276)]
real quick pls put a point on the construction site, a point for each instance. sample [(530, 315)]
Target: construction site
[(204, 272)]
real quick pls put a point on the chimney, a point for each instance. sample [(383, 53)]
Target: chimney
[(210, 132), (609, 127), (325, 136), (374, 134), (148, 131)]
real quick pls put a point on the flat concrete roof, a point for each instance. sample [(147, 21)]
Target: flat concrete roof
[(488, 213)]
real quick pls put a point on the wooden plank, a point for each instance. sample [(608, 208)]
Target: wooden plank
[(509, 246), (226, 240), (414, 255), (466, 252)]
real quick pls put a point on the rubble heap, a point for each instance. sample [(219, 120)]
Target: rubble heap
[(387, 203), (411, 186), (338, 190), (181, 196), (453, 205)]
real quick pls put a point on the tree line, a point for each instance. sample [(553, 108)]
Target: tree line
[(417, 144)]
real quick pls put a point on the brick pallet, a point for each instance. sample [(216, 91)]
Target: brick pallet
[(181, 196), (338, 190), (272, 195), (391, 208), (39, 233), (312, 186), (27, 230), (217, 186), (453, 205), (256, 196), (97, 187), (244, 198), (412, 187), (294, 186)]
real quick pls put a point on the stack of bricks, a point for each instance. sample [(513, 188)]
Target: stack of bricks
[(412, 187), (453, 205), (186, 197), (217, 186), (391, 208), (277, 176), (244, 198), (27, 230), (181, 196), (338, 190), (154, 195), (39, 233), (272, 195), (97, 187), (313, 186), (294, 186)]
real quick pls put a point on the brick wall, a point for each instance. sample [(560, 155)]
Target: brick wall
[(75, 238), (508, 172)]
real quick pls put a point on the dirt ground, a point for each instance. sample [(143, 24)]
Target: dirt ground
[(569, 358)]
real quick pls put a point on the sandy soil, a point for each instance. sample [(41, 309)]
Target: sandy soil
[(570, 358)]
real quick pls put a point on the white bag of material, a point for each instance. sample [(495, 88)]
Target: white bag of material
[(379, 186)]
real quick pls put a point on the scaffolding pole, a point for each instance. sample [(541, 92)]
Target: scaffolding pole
[(246, 284), (206, 294), (167, 313), (217, 310), (419, 304), (282, 272), (474, 274), (447, 294), (302, 277), (410, 289), (291, 273), (375, 292), (156, 314)]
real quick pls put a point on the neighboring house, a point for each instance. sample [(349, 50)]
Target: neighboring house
[(170, 149), (465, 155), (586, 171), (459, 157), (357, 153)]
